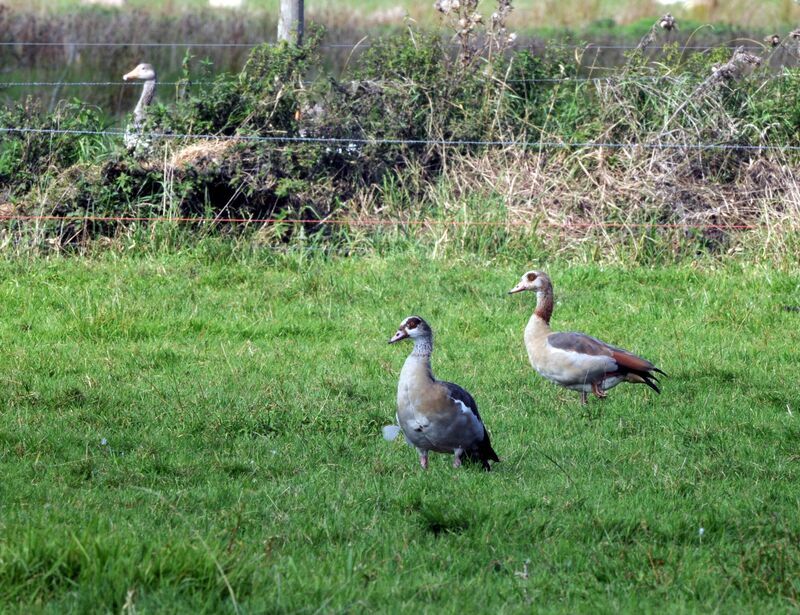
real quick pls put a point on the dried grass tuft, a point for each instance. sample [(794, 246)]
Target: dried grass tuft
[(203, 154), (606, 205)]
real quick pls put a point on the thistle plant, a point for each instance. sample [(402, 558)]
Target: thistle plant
[(477, 37)]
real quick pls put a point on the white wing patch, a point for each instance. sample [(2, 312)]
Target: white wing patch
[(568, 367), (390, 432), (464, 408)]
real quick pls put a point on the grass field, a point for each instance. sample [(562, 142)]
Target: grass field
[(201, 432)]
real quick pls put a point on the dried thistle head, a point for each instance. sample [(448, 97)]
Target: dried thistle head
[(497, 33), (794, 41), (746, 62), (665, 22), (446, 6), (773, 40), (739, 66), (668, 23)]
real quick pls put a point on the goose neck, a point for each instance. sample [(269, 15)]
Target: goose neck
[(148, 92), (423, 348), (544, 304)]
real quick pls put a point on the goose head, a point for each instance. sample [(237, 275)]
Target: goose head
[(536, 281), (412, 327), (143, 72)]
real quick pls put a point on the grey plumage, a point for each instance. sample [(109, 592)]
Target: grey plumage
[(435, 415)]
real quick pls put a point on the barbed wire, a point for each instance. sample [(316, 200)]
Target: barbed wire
[(164, 44), (189, 82), (377, 222), (348, 45), (352, 142), (655, 47), (16, 84), (369, 141), (10, 84), (121, 44), (644, 79)]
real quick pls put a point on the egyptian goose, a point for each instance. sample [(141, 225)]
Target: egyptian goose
[(574, 360), (133, 137), (435, 415)]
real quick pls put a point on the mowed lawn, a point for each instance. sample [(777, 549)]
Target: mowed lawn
[(188, 434)]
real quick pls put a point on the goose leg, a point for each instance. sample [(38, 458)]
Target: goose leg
[(458, 454), (599, 393), (584, 398), (423, 459)]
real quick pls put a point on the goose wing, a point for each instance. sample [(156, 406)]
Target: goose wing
[(592, 349), (453, 419), (481, 449), (461, 398)]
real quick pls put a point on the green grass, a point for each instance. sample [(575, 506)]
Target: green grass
[(186, 433)]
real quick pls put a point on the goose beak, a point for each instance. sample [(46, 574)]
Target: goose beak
[(517, 289), (400, 335)]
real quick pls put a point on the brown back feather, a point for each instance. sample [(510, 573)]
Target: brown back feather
[(579, 342), (631, 361), (586, 344)]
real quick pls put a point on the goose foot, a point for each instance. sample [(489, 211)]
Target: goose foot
[(598, 392), (457, 460), (584, 398), (423, 459)]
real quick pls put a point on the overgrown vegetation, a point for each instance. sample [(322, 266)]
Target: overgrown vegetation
[(387, 125)]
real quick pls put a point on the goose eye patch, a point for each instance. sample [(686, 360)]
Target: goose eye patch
[(412, 324), (531, 277)]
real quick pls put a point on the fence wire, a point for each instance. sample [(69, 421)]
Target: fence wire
[(376, 222), (189, 82), (351, 45), (352, 143)]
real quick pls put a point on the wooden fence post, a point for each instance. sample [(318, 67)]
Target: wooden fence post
[(290, 24)]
